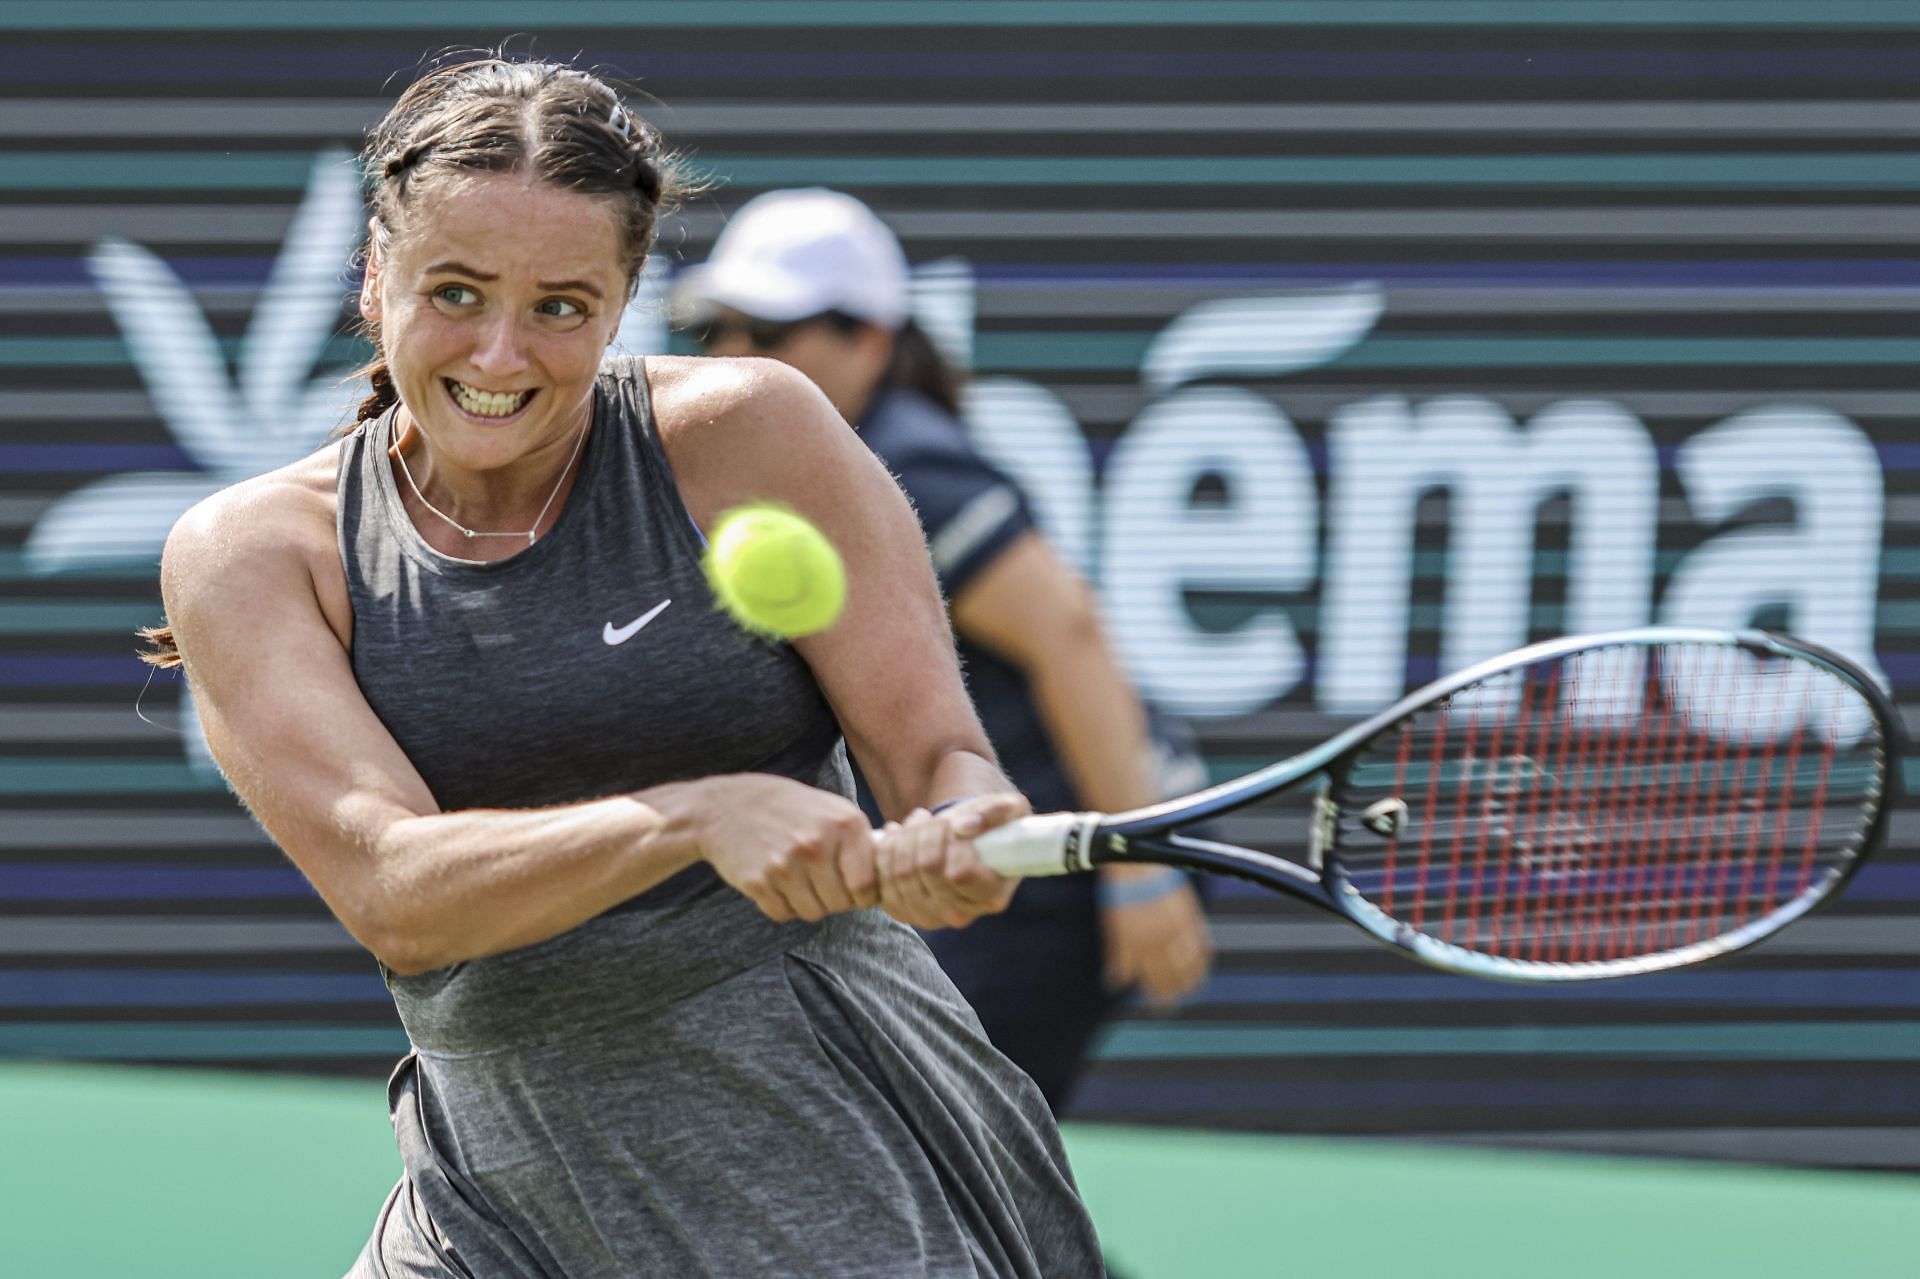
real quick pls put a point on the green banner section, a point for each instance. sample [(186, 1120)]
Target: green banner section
[(92, 776), (227, 1176), (1742, 1041), (194, 1041)]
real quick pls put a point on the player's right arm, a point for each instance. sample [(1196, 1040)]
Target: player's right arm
[(258, 614)]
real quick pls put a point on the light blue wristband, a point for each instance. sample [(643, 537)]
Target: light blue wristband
[(1136, 892)]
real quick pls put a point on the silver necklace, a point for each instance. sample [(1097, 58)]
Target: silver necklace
[(400, 454)]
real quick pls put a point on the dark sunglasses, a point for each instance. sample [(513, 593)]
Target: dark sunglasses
[(766, 335)]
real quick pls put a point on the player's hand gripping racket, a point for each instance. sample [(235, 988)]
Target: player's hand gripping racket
[(1588, 807)]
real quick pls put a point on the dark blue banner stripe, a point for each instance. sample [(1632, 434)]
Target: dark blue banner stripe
[(1782, 1094), (173, 1041), (1862, 988), (1596, 896), (200, 271), (1650, 272), (30, 670), (214, 271), (145, 988), (1898, 882), (139, 883), (102, 458)]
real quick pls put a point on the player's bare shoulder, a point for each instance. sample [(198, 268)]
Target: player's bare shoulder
[(690, 390), (698, 396), (269, 533), (738, 429), (259, 519)]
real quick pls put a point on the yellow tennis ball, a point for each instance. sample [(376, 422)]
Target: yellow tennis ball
[(774, 572)]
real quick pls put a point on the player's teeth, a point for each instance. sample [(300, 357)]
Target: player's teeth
[(488, 403)]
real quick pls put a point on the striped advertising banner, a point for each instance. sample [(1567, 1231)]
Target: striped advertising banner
[(1340, 343)]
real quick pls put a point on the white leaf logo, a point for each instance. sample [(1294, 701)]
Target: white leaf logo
[(274, 414), (1266, 336)]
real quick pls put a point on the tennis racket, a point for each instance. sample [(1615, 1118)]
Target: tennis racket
[(1598, 806)]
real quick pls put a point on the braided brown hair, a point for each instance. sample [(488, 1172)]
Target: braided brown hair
[(547, 120)]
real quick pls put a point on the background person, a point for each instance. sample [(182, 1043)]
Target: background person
[(813, 278), (617, 889)]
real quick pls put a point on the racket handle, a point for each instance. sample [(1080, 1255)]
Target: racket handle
[(1049, 844)]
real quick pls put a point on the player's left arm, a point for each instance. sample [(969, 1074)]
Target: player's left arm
[(744, 430)]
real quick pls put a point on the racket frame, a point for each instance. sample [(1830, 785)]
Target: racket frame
[(1083, 841)]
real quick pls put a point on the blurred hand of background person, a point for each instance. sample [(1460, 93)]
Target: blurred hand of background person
[(1159, 942), (1032, 608)]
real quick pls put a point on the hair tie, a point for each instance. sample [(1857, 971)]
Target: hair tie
[(647, 178), (407, 159)]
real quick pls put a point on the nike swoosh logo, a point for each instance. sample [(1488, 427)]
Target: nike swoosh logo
[(621, 635)]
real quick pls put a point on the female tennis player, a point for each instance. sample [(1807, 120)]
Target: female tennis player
[(814, 279), (463, 666)]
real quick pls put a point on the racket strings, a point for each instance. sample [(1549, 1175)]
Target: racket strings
[(1616, 803)]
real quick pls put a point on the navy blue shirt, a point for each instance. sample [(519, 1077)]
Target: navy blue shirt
[(970, 512)]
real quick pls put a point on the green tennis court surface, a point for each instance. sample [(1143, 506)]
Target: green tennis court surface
[(109, 1172)]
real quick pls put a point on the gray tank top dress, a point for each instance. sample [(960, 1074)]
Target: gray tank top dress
[(679, 1087)]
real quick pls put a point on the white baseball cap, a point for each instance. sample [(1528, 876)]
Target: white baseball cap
[(787, 255)]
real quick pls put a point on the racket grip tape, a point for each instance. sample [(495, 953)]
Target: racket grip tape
[(1049, 844)]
